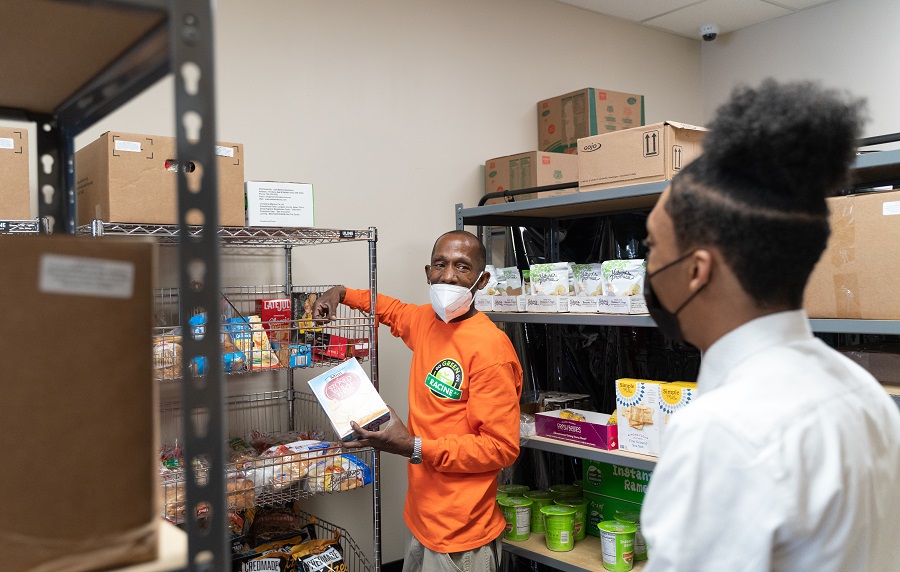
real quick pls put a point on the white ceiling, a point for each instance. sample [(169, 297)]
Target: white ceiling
[(684, 17)]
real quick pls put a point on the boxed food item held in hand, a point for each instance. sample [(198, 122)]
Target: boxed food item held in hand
[(346, 394)]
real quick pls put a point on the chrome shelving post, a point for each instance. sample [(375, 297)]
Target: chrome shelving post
[(288, 288), (373, 365), (191, 44)]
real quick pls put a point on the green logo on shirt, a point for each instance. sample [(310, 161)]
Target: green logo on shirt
[(445, 380)]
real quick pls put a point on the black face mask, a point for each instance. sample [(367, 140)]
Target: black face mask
[(667, 321)]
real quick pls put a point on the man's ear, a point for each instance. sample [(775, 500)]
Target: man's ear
[(427, 272), (702, 262), (482, 282)]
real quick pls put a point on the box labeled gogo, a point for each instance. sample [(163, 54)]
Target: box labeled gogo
[(279, 204), (132, 178), (639, 155)]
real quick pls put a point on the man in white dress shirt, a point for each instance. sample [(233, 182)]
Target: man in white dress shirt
[(790, 458)]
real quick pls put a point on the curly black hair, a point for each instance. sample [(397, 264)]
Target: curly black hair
[(771, 157)]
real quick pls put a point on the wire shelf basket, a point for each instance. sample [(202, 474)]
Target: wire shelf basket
[(263, 329)]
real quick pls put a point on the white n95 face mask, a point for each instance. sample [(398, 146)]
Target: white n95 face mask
[(450, 301)]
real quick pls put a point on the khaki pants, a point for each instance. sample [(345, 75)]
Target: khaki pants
[(421, 559)]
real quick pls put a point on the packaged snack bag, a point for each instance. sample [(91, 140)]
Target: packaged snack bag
[(588, 279), (623, 277), (550, 279)]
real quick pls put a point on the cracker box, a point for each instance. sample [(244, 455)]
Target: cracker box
[(639, 415), (275, 315), (346, 393), (587, 428), (673, 397)]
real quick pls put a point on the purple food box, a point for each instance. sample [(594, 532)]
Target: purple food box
[(592, 432)]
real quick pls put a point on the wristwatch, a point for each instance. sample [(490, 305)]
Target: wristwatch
[(416, 456)]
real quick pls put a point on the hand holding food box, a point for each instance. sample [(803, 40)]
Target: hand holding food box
[(346, 394)]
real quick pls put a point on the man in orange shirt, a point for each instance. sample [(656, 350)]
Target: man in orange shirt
[(463, 427)]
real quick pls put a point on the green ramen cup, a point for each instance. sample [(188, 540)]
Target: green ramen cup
[(617, 545), (501, 495), (580, 506), (517, 512), (513, 490), (539, 499), (566, 490), (559, 526), (640, 545)]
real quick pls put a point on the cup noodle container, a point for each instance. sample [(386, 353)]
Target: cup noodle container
[(580, 506), (565, 490), (539, 499), (513, 490), (617, 545), (517, 512), (559, 527), (640, 545)]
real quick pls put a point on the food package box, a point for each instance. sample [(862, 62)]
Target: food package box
[(506, 304), (673, 397), (275, 315), (639, 155), (622, 304), (881, 360), (300, 355), (346, 393), (586, 428), (565, 119), (607, 479), (132, 178), (639, 416), (279, 204), (530, 169), (484, 303), (600, 508), (15, 192), (546, 303), (359, 347), (584, 304), (90, 412), (856, 277)]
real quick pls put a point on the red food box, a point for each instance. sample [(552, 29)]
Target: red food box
[(275, 315), (360, 347)]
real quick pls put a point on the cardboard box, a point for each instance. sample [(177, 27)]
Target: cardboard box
[(546, 303), (856, 277), (279, 204), (15, 192), (602, 508), (636, 304), (606, 479), (881, 360), (640, 155), (87, 403), (346, 393), (639, 416), (527, 170), (131, 178), (594, 431), (565, 119)]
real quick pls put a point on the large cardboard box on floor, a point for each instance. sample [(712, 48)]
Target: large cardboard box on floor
[(857, 276), (131, 178), (79, 414), (565, 119), (15, 193), (641, 155), (530, 169)]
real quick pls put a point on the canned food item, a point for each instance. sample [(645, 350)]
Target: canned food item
[(559, 527), (617, 545), (640, 545), (517, 512), (539, 499), (580, 506)]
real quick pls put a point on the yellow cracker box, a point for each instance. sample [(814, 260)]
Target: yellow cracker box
[(674, 397), (639, 415)]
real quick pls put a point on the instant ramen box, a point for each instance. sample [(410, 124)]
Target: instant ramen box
[(346, 393)]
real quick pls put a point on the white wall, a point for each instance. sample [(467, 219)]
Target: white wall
[(391, 108), (847, 44)]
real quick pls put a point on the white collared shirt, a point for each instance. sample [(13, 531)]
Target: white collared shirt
[(788, 460)]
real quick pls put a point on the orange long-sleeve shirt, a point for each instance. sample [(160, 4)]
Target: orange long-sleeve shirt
[(464, 387)]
